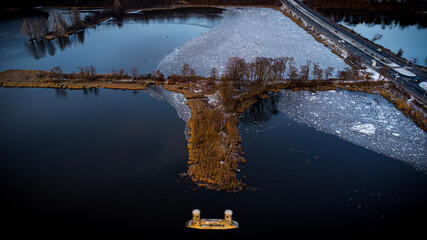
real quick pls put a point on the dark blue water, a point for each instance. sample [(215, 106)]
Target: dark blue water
[(134, 41), (410, 39), (106, 163)]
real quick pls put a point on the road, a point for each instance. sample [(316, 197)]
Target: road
[(364, 48)]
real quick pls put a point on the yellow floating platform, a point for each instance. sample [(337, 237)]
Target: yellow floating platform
[(213, 224)]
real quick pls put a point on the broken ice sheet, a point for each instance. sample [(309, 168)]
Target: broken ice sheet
[(366, 120), (177, 100), (249, 33)]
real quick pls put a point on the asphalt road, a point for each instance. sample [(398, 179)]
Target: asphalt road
[(365, 49)]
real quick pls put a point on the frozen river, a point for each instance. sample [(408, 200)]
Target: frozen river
[(249, 33), (364, 119)]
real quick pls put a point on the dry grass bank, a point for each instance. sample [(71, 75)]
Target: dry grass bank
[(214, 145), (43, 79)]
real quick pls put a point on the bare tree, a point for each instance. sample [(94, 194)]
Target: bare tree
[(283, 62), (122, 73), (59, 24), (81, 71), (214, 74), (134, 72), (92, 71), (293, 72), (44, 25), (279, 67), (262, 69), (305, 71), (55, 73), (328, 72), (317, 72), (343, 74), (27, 28), (235, 68), (75, 18), (250, 71), (117, 8), (158, 76), (185, 70), (192, 72)]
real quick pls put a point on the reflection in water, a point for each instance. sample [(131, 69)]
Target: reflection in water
[(41, 48), (191, 16), (370, 18), (180, 16), (262, 110), (90, 91), (61, 93)]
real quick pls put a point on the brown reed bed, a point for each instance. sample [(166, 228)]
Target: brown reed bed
[(43, 79)]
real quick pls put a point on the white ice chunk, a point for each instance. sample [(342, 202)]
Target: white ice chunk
[(249, 33), (364, 128), (364, 119)]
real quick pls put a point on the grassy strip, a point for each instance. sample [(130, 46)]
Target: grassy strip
[(41, 79)]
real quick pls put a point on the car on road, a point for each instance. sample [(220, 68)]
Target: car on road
[(416, 79)]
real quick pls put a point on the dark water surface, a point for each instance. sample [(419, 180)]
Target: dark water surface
[(136, 40), (105, 163), (404, 31)]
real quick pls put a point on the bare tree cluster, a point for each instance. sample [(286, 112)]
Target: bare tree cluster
[(261, 70), (271, 70), (87, 72), (35, 27)]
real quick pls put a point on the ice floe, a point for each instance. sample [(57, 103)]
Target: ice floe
[(364, 119), (249, 33), (177, 100)]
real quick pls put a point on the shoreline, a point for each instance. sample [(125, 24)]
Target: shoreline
[(128, 11), (215, 152)]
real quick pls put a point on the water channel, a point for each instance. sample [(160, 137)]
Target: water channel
[(101, 163)]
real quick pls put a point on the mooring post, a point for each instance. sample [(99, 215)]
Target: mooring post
[(196, 217), (228, 215)]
